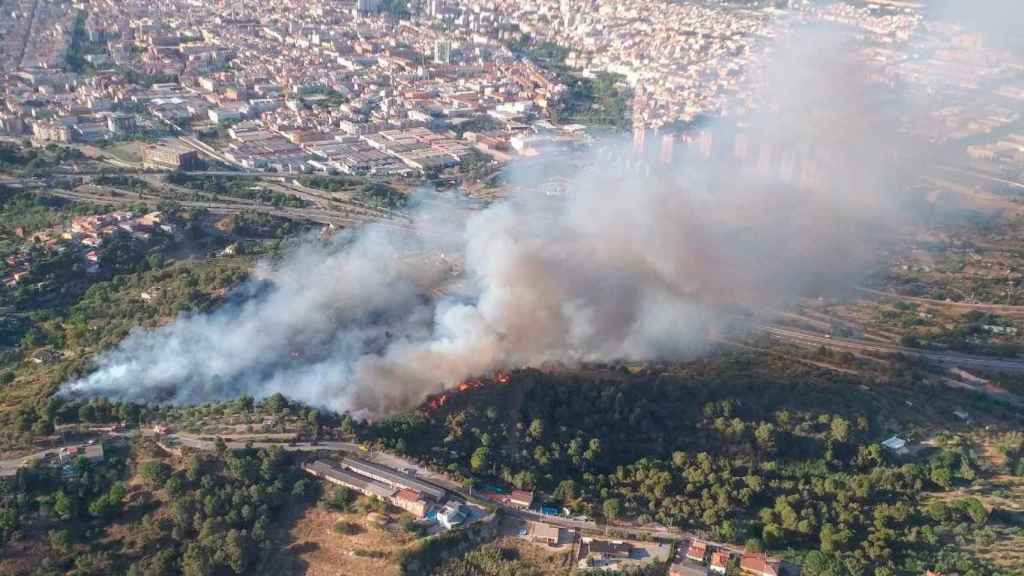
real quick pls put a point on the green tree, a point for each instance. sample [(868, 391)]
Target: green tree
[(277, 403), (61, 541), (160, 564), (236, 551), (9, 522), (819, 564), (976, 510), (840, 429), (566, 491), (154, 473), (766, 438), (244, 403), (536, 429), (479, 461), (773, 535), (524, 480), (612, 509), (109, 505), (197, 561), (64, 506)]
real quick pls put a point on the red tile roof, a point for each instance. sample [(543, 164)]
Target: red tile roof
[(697, 549), (521, 497), (410, 495), (760, 564), (720, 559)]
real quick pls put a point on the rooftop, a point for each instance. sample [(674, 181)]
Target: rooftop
[(393, 476), (354, 480)]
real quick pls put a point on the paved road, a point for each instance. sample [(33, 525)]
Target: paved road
[(201, 146), (954, 359), (424, 473), (1005, 309), (317, 215), (11, 464), (193, 441), (982, 176), (393, 461)]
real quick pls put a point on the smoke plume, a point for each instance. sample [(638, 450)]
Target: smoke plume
[(997, 22), (632, 259)]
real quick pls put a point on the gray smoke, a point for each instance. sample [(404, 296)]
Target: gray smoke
[(631, 261), (997, 22)]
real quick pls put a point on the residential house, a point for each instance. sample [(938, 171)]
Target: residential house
[(411, 501), (896, 444), (606, 550), (760, 565), (544, 533), (697, 551), (520, 499), (719, 562), (453, 514)]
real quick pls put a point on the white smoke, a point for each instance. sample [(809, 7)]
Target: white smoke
[(997, 22), (633, 261)]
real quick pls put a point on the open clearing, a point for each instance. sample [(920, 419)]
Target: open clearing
[(329, 553)]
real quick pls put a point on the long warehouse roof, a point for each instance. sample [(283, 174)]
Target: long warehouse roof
[(393, 476)]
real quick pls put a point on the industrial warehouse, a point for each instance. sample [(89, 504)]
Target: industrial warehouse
[(401, 490)]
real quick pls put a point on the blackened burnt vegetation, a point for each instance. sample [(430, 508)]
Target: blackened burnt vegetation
[(732, 449)]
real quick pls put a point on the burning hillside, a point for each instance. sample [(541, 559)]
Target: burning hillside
[(436, 401), (624, 265)]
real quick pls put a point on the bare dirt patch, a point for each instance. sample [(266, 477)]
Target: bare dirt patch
[(549, 561), (329, 553)]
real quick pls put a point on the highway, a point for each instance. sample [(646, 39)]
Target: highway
[(983, 176), (201, 146), (1004, 309), (335, 216), (948, 359)]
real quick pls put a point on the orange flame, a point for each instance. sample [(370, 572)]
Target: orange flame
[(436, 402)]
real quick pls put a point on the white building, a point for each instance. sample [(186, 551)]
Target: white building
[(443, 51), (896, 444), (453, 514)]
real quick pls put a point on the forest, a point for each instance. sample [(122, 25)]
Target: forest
[(795, 468)]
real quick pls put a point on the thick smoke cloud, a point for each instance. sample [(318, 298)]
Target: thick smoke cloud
[(632, 261), (998, 22)]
